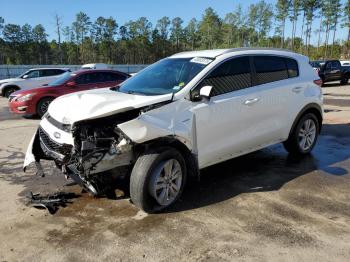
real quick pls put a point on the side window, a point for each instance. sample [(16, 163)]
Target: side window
[(58, 71), (232, 75), (90, 78), (335, 65), (329, 65), (269, 69), (83, 79), (49, 72), (114, 77), (33, 74), (98, 77), (292, 67)]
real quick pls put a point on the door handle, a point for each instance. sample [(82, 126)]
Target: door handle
[(297, 89), (251, 101)]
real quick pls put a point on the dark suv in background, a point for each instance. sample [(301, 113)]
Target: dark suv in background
[(332, 70)]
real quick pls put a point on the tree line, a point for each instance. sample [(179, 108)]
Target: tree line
[(140, 42)]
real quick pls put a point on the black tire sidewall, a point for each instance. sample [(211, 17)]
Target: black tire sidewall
[(40, 103), (296, 132), (9, 91), (142, 173)]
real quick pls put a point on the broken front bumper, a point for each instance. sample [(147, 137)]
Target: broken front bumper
[(42, 146)]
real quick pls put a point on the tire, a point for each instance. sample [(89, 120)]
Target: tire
[(9, 90), (295, 140), (146, 174), (43, 105), (344, 80)]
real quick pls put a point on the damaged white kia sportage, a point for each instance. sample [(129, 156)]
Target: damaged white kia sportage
[(179, 115)]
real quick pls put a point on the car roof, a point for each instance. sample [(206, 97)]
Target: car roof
[(80, 71), (217, 52), (45, 68)]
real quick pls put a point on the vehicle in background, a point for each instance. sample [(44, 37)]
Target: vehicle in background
[(345, 63), (32, 78), (332, 70), (37, 100), (316, 65), (179, 115), (94, 66)]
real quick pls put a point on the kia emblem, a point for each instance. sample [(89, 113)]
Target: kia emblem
[(57, 135)]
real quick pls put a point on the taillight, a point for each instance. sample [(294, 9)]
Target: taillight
[(318, 82)]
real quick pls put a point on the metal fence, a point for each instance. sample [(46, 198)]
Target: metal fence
[(8, 71)]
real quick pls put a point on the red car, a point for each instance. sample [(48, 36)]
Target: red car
[(36, 101)]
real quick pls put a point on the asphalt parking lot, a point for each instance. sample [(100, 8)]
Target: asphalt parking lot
[(265, 206)]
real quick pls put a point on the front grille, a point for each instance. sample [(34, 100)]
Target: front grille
[(51, 145)]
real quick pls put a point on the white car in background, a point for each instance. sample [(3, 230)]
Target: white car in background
[(30, 79), (178, 116), (95, 66)]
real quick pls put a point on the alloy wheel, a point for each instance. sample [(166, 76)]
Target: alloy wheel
[(166, 182), (307, 134)]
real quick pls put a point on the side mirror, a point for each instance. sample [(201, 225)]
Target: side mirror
[(205, 92), (25, 76), (71, 84)]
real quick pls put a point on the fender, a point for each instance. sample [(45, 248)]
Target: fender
[(309, 108)]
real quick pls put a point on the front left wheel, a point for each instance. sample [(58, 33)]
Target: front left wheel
[(157, 179)]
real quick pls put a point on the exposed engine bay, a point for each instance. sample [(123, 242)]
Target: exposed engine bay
[(99, 146)]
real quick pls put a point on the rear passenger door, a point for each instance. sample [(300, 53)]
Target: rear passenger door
[(277, 87)]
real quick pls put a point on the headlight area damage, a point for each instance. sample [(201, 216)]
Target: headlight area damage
[(97, 150), (99, 146)]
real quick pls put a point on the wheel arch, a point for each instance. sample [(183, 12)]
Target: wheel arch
[(44, 97), (9, 86), (171, 141), (310, 108)]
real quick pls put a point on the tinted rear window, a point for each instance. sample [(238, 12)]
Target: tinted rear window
[(292, 67), (270, 69)]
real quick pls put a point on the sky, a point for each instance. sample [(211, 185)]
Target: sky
[(43, 11)]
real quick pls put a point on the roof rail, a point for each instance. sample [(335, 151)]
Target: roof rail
[(255, 48)]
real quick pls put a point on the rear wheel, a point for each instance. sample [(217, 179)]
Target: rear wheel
[(9, 90), (344, 80), (43, 105), (304, 136), (157, 179)]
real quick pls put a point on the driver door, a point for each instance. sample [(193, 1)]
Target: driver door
[(223, 120)]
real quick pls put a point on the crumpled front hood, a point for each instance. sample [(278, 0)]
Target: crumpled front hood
[(10, 80), (98, 103)]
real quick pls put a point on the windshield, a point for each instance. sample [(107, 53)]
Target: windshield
[(166, 76), (62, 79), (21, 75)]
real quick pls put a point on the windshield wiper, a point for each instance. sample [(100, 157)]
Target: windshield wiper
[(115, 88)]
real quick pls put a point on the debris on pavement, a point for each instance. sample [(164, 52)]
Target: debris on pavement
[(51, 202)]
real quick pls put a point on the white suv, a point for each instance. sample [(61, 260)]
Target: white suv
[(179, 115), (32, 78)]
